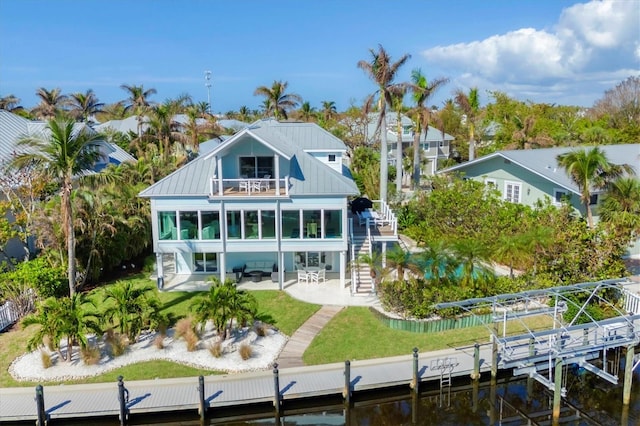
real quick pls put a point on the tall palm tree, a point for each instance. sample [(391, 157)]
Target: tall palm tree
[(51, 103), (329, 109), (383, 72), (421, 92), (10, 103), (307, 112), (62, 154), (590, 169), (279, 101), (84, 105), (397, 105), (137, 102), (470, 105)]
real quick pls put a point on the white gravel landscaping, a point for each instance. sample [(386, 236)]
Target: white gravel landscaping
[(265, 351)]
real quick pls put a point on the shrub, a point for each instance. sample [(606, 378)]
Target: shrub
[(245, 351), (116, 343), (215, 348), (261, 329), (46, 279), (184, 326), (159, 341), (90, 354), (47, 360), (191, 338)]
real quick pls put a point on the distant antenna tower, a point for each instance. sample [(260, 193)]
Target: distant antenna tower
[(207, 83)]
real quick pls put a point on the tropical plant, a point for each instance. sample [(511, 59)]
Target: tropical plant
[(621, 206), (590, 169), (328, 110), (10, 103), (129, 306), (65, 317), (51, 103), (401, 260), (382, 71), (62, 154), (84, 105), (137, 102), (397, 105), (223, 303), (421, 92), (277, 101), (307, 112)]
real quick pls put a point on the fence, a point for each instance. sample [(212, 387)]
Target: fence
[(8, 315), (433, 326)]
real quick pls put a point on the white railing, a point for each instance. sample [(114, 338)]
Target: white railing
[(352, 263), (8, 315), (631, 302), (250, 186)]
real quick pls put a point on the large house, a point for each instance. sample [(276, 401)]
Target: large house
[(526, 176), (271, 198), (435, 144)]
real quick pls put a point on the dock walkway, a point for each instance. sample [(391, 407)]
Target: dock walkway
[(162, 395)]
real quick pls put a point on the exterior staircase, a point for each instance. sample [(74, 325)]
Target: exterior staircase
[(362, 272)]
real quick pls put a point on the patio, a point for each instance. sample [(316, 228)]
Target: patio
[(323, 293)]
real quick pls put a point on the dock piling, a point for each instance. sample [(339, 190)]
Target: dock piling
[(628, 375), (415, 384), (203, 405), (346, 394), (42, 415), (276, 385), (476, 362), (123, 398)]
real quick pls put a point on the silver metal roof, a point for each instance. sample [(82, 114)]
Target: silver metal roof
[(432, 134), (309, 176), (13, 128), (543, 162)]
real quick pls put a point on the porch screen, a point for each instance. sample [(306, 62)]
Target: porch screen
[(167, 228)]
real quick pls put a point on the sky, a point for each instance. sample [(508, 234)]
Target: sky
[(553, 51)]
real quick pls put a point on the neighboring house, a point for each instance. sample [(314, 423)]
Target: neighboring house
[(124, 126), (435, 144), (14, 127), (270, 198), (526, 176)]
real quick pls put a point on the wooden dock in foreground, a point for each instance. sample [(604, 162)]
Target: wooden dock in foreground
[(294, 384)]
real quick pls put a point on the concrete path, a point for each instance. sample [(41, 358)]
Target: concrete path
[(291, 355)]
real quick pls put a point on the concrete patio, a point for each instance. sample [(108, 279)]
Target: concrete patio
[(325, 293)]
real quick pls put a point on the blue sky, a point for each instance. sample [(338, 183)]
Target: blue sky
[(556, 51)]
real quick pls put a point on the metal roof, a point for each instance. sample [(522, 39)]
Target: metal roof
[(544, 163), (13, 128), (309, 176), (432, 134)]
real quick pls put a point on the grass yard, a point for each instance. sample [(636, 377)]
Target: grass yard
[(355, 333), (274, 307)]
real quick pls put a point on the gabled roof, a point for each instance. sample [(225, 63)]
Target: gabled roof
[(129, 124), (309, 176), (543, 162), (13, 127)]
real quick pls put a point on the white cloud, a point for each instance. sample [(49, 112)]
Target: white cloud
[(591, 43)]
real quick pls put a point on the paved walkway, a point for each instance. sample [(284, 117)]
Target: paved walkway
[(291, 355)]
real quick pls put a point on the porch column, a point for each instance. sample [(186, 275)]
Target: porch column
[(159, 265), (276, 172), (222, 265), (384, 254), (280, 270), (343, 268), (219, 174)]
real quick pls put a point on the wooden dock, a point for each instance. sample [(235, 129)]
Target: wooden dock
[(298, 383)]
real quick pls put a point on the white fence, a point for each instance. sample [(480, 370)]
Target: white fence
[(8, 315)]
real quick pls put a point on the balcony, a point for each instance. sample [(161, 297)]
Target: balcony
[(249, 187)]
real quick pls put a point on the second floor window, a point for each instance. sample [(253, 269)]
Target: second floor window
[(256, 167)]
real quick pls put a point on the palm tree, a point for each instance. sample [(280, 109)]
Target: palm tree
[(402, 260), (397, 105), (511, 249), (590, 169), (279, 102), (307, 112), (471, 252), (51, 103), (621, 204), (328, 110), (470, 105), (383, 72), (137, 102), (84, 105), (244, 113), (130, 306), (65, 317), (62, 154), (537, 239), (10, 103), (421, 92), (114, 111)]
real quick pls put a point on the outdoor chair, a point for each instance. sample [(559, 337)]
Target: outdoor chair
[(303, 276), (266, 183)]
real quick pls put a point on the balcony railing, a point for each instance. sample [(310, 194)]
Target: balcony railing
[(257, 187)]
